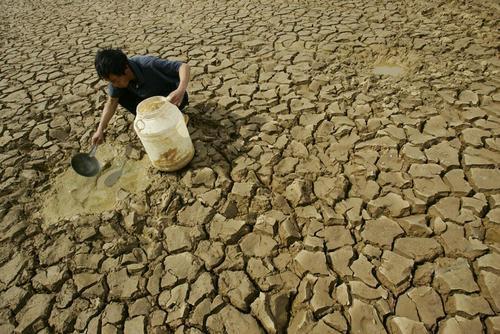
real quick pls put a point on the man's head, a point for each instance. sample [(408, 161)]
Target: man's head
[(112, 65)]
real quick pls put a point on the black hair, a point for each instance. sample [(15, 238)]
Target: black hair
[(110, 61)]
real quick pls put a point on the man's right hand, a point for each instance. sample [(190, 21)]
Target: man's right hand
[(98, 137)]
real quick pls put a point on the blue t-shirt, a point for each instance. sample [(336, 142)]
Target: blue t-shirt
[(153, 76)]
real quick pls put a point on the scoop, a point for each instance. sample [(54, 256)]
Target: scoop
[(86, 164)]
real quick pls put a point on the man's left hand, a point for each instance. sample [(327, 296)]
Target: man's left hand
[(176, 96)]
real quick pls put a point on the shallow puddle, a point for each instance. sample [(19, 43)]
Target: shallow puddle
[(72, 194), (388, 69)]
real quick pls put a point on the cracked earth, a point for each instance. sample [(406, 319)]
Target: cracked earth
[(346, 176)]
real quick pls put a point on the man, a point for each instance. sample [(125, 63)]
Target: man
[(134, 79)]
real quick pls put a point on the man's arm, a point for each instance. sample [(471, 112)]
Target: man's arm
[(184, 72), (108, 112), (177, 95)]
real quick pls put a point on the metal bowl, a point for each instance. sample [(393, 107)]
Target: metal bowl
[(86, 164)]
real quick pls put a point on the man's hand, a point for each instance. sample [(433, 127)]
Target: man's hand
[(176, 96), (98, 138), (109, 110)]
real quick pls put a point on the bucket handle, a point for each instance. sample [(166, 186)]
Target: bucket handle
[(141, 126)]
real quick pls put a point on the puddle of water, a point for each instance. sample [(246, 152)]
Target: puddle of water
[(73, 194), (388, 69)]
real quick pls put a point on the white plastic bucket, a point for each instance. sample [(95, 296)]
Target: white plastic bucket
[(163, 133)]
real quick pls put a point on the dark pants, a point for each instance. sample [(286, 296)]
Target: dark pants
[(130, 101)]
